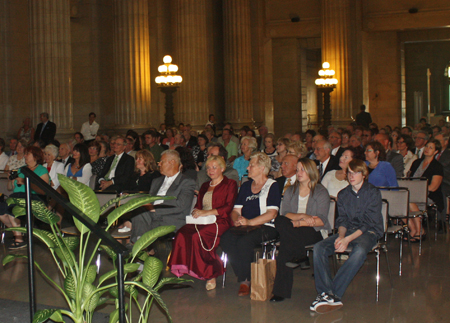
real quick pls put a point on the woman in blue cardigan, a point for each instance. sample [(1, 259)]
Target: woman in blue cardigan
[(381, 173)]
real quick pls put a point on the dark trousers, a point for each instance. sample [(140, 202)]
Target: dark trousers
[(239, 248), (292, 245)]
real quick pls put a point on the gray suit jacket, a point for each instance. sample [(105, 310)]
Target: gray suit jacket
[(173, 212), (318, 204), (396, 160)]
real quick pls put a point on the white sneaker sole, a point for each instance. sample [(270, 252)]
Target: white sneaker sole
[(328, 308)]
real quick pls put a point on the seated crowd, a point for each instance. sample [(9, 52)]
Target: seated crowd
[(254, 188)]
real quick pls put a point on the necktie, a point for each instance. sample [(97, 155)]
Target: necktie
[(286, 186), (112, 167), (321, 170)]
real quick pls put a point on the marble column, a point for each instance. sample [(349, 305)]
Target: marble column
[(337, 49), (238, 61), (51, 62), (132, 64), (191, 45)]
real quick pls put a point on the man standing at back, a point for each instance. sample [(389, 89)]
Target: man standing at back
[(46, 130), (89, 129), (363, 118)]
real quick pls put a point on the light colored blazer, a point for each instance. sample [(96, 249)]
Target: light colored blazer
[(318, 204)]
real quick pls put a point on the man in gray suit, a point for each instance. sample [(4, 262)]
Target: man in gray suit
[(166, 212), (395, 159)]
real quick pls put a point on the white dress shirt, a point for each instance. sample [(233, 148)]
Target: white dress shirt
[(168, 181), (89, 131)]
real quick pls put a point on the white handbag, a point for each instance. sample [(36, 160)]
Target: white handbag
[(203, 220)]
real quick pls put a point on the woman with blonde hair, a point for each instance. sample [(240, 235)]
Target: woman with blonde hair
[(304, 212), (194, 247), (282, 150), (255, 209), (298, 149), (248, 146)]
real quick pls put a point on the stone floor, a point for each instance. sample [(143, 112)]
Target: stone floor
[(421, 294)]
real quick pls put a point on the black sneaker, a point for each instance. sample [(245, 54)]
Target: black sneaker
[(17, 245), (317, 300), (327, 304)]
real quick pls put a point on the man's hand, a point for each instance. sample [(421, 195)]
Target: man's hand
[(341, 244), (105, 184)]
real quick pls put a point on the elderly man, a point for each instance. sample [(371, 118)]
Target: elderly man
[(118, 169), (191, 141), (288, 171), (355, 141), (151, 140), (12, 147), (367, 136), (335, 139), (315, 140), (64, 154), (326, 161), (420, 141), (89, 129), (395, 159), (129, 148), (46, 130), (166, 212), (216, 149)]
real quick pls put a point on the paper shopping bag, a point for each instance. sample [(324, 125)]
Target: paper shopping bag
[(263, 277)]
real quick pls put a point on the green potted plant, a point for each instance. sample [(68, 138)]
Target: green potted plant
[(82, 289)]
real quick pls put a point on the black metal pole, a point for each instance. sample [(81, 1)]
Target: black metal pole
[(30, 249), (120, 287)]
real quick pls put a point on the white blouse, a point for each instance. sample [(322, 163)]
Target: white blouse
[(332, 184)]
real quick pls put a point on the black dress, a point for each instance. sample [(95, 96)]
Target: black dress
[(434, 168), (142, 183)]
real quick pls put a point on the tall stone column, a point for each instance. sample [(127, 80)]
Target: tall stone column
[(193, 97), (238, 61), (132, 64), (338, 50), (51, 62)]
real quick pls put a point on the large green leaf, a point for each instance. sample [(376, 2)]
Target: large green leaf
[(113, 201), (142, 255), (109, 251), (156, 296), (57, 317), (46, 237), (149, 237), (91, 274), (171, 280), (19, 211), (70, 286), (43, 315), (72, 242), (127, 268), (152, 270), (65, 255), (131, 289), (82, 197), (8, 258), (114, 292), (133, 204), (114, 316), (38, 208)]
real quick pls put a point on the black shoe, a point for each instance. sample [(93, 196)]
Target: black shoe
[(276, 299)]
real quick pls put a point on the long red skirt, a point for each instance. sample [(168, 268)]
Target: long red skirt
[(188, 255)]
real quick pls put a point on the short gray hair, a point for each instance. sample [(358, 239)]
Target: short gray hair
[(172, 155), (262, 160), (52, 150), (252, 144)]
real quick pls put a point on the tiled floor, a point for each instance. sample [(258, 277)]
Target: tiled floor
[(421, 294)]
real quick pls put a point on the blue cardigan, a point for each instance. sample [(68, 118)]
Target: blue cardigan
[(383, 175)]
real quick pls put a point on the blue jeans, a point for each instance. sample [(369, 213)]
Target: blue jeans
[(325, 248)]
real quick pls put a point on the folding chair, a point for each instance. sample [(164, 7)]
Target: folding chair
[(380, 246), (418, 194), (398, 199)]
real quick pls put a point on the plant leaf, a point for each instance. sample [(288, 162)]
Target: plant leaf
[(43, 315), (127, 268), (114, 292), (113, 201), (8, 258), (72, 242), (156, 296), (131, 289), (91, 274), (142, 255), (82, 197), (114, 316), (110, 252), (149, 237), (131, 205), (66, 256), (46, 237), (171, 280), (102, 301), (19, 211), (152, 270), (57, 317), (70, 285)]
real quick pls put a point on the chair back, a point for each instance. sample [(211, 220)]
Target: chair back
[(332, 213), (92, 182), (4, 186), (398, 199), (385, 206), (418, 190), (104, 197)]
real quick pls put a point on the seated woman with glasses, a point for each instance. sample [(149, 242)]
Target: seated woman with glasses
[(381, 173), (360, 225), (405, 146), (304, 212)]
